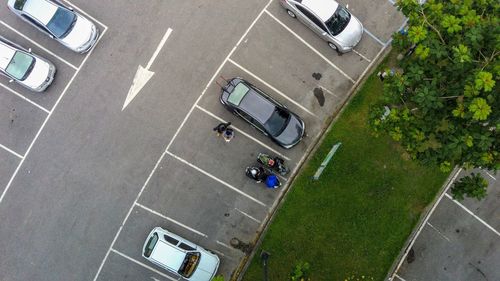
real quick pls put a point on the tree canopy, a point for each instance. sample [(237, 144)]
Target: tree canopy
[(444, 100)]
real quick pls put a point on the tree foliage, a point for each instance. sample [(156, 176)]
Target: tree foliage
[(444, 101), (473, 186)]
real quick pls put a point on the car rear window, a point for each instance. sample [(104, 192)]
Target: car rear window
[(150, 245), (277, 122), (238, 94)]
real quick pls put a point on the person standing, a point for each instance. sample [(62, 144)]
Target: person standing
[(221, 128)]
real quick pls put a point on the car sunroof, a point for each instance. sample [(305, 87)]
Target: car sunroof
[(238, 94)]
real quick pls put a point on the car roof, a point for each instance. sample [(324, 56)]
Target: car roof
[(168, 255), (42, 10), (6, 54), (324, 9), (257, 106)]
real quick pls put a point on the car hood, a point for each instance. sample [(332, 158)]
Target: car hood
[(351, 35), (80, 34), (207, 267), (38, 74), (292, 133)]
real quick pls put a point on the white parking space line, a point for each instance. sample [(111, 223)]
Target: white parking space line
[(39, 46), (143, 265), (273, 88), (224, 245), (243, 132), (472, 214), (399, 277), (248, 216), (86, 14), (216, 179), (361, 55), (490, 175), (11, 151), (440, 233), (375, 37), (46, 120), (171, 220), (24, 98), (328, 91), (310, 47)]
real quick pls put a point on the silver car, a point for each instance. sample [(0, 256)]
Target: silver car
[(330, 20), (58, 21), (180, 256), (24, 67)]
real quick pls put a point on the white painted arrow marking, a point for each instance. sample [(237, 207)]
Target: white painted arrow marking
[(143, 75)]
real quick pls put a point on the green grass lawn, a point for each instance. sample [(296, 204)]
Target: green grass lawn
[(352, 223)]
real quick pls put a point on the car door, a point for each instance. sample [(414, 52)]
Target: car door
[(313, 22)]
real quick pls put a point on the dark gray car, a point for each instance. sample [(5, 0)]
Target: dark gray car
[(262, 112)]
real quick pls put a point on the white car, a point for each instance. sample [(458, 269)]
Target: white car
[(329, 20), (24, 67), (179, 256), (58, 21)]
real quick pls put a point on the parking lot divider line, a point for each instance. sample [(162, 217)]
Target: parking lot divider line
[(11, 151), (216, 73), (474, 215), (361, 55), (248, 216), (273, 88), (310, 47), (328, 91), (171, 220), (25, 98), (439, 232), (490, 175), (38, 45), (44, 123), (375, 37), (399, 277), (426, 219), (243, 133), (224, 245), (143, 265), (85, 13), (216, 179)]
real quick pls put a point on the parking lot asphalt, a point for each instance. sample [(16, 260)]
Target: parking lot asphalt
[(459, 242), (84, 180)]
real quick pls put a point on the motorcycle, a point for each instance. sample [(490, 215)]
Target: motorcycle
[(259, 174), (275, 163)]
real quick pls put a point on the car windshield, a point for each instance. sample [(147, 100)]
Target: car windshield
[(20, 65), (338, 21), (277, 122), (189, 264), (150, 245), (62, 22)]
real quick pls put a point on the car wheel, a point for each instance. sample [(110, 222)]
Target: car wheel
[(290, 13), (334, 47)]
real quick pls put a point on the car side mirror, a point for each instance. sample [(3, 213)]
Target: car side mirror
[(71, 8), (347, 6), (324, 34), (51, 36), (11, 80), (29, 50)]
